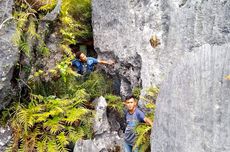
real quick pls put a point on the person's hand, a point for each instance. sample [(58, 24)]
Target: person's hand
[(111, 62)]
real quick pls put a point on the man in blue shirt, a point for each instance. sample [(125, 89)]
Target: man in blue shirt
[(90, 62), (133, 117)]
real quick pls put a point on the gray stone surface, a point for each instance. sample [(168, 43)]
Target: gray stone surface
[(104, 139), (5, 136), (85, 146), (193, 105), (194, 35), (49, 33), (54, 13), (8, 52), (101, 123), (124, 28), (106, 143)]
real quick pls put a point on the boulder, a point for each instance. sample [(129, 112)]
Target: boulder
[(9, 54), (104, 139), (5, 137)]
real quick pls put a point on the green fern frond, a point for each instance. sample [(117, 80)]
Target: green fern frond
[(50, 4), (115, 102), (32, 29), (40, 146), (52, 146), (74, 134), (40, 117), (24, 47), (143, 134), (74, 115), (62, 139), (53, 125), (16, 38), (62, 142)]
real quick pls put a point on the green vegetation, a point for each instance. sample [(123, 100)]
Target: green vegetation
[(49, 123), (55, 109), (55, 112), (26, 32), (115, 103), (75, 20), (143, 130), (136, 92), (74, 23)]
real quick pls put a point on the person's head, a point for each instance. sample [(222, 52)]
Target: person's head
[(130, 103), (81, 56), (73, 48)]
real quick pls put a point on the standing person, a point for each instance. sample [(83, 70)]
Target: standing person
[(81, 59), (133, 117)]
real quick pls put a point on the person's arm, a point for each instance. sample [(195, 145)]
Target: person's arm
[(77, 64), (148, 121), (106, 62), (142, 118)]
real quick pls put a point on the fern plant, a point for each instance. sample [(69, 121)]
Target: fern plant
[(75, 20), (50, 123), (48, 5), (20, 38), (115, 103), (26, 34), (143, 137), (136, 91), (54, 113), (143, 130)]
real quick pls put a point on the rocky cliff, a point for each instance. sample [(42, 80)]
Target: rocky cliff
[(15, 66), (193, 106), (182, 45), (194, 37), (105, 138), (122, 29), (9, 54)]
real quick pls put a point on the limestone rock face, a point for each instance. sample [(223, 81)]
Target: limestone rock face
[(9, 54), (122, 30), (5, 136), (101, 124), (192, 109), (105, 140), (193, 106)]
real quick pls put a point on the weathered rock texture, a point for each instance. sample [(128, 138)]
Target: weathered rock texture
[(105, 140), (192, 112), (10, 55), (5, 136), (8, 52), (101, 123), (193, 105), (123, 30), (55, 12)]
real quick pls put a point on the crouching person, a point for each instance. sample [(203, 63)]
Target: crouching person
[(90, 62)]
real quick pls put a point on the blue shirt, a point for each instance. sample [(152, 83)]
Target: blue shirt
[(132, 121), (90, 62)]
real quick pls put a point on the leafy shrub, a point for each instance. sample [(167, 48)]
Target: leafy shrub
[(136, 92), (54, 112), (115, 103), (75, 20), (49, 123), (143, 130)]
